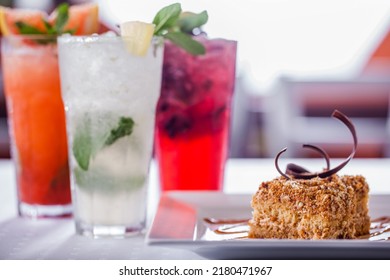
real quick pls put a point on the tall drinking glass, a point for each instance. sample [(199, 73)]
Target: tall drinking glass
[(193, 116), (110, 98), (37, 125)]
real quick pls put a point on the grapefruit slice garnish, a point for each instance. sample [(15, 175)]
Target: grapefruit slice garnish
[(137, 36), (8, 18), (83, 19)]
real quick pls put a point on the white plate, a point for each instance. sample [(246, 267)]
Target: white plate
[(179, 223)]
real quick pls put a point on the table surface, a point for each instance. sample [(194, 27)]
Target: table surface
[(22, 238)]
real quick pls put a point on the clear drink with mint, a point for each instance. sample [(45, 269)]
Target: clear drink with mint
[(110, 97)]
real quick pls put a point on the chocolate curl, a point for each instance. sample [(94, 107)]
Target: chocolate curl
[(344, 119), (299, 172), (277, 165), (296, 170)]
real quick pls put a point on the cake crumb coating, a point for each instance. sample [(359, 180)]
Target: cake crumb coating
[(335, 207)]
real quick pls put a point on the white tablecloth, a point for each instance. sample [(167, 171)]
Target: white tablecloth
[(22, 238)]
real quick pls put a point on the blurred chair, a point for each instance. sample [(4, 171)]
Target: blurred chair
[(246, 137), (378, 64), (300, 113)]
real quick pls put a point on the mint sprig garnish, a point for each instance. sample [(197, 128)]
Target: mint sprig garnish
[(56, 28), (84, 146), (177, 26)]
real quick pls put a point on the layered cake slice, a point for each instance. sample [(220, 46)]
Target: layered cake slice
[(329, 208), (304, 205)]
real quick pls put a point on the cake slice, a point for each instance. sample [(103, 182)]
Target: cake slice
[(319, 208), (312, 205)]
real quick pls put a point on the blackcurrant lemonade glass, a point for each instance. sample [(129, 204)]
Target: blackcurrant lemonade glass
[(110, 96), (193, 115)]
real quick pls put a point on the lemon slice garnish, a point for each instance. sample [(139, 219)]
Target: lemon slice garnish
[(3, 24), (138, 36)]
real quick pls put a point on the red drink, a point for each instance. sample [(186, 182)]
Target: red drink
[(193, 116)]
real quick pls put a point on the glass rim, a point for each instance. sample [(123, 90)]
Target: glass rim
[(101, 38), (98, 38), (30, 36), (29, 40)]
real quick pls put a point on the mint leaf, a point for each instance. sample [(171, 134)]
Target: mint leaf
[(49, 28), (62, 17), (27, 29), (82, 144), (186, 42), (189, 21), (124, 128), (166, 18)]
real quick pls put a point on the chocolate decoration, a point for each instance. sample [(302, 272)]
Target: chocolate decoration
[(277, 165), (299, 172)]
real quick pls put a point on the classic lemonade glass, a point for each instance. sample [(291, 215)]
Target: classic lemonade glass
[(110, 95), (35, 108)]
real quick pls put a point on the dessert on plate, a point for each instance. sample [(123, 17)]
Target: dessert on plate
[(304, 205)]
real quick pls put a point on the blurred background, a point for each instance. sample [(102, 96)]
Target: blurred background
[(297, 61)]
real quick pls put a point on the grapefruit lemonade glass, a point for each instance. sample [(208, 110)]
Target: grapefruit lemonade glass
[(35, 108), (110, 90), (37, 125), (193, 115)]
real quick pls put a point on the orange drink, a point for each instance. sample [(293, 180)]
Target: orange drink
[(34, 102), (37, 125)]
